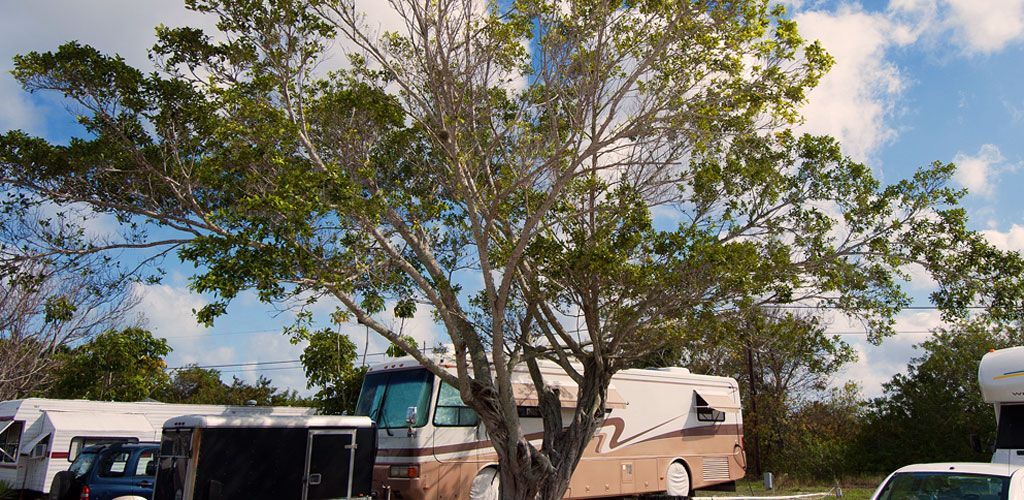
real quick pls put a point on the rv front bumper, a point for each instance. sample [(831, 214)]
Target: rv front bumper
[(393, 488)]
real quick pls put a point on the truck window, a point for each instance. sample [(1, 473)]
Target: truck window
[(82, 463), (451, 411), (113, 464), (79, 442), (1010, 433), (386, 396), (142, 464)]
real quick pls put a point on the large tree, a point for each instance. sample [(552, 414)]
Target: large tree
[(929, 413), (48, 308), (194, 385), (125, 365), (515, 167)]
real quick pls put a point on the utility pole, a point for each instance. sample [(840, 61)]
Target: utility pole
[(756, 462)]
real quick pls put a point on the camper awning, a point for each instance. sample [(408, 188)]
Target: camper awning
[(526, 395), (721, 402), (26, 447), (100, 424)]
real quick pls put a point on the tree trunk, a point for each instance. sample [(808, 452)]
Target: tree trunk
[(526, 472)]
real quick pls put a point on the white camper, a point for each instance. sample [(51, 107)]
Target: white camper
[(668, 432), (1001, 377), (40, 437)]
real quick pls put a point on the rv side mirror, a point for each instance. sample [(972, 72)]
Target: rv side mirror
[(411, 415), (975, 443)]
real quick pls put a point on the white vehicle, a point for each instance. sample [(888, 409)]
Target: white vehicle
[(668, 432), (265, 458), (41, 437), (965, 480), (1001, 377)]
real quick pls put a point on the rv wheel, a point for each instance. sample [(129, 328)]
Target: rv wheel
[(486, 485), (678, 481)]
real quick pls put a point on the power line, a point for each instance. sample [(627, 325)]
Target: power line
[(253, 364), (232, 365), (256, 368)]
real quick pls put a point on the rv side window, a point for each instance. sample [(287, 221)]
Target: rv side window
[(10, 440), (705, 414), (1010, 434), (528, 411), (451, 411)]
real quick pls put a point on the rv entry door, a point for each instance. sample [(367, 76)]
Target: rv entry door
[(330, 457)]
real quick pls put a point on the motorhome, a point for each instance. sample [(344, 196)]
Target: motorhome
[(1001, 377), (668, 431), (261, 457), (40, 437)]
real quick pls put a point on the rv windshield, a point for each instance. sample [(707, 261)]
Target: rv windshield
[(386, 397), (1011, 427)]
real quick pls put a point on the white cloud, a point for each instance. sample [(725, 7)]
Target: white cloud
[(1012, 239), (920, 278), (168, 312), (17, 110), (978, 172), (986, 26), (855, 99), (976, 27), (878, 364)]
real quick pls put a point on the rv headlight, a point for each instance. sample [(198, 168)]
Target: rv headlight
[(404, 471)]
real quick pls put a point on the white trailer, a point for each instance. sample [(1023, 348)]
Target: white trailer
[(667, 431), (40, 437), (1001, 377)]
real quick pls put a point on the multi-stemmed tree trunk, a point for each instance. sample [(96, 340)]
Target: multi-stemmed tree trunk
[(579, 182)]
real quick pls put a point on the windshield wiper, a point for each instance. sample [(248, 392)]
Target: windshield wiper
[(383, 417)]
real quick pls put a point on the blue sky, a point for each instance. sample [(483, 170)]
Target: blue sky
[(915, 81)]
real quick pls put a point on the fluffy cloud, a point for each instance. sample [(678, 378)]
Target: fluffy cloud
[(1012, 239), (855, 99), (977, 172), (984, 27), (168, 312), (975, 27), (878, 364)]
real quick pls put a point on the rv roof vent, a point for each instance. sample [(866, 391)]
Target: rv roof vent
[(672, 369)]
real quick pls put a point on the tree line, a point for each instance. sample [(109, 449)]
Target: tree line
[(810, 429)]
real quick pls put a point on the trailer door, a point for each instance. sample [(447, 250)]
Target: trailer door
[(330, 457)]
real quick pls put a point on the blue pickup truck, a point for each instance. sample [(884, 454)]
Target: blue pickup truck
[(109, 471)]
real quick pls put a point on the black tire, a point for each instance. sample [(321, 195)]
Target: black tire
[(61, 487)]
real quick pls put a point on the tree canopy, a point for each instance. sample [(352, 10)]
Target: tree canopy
[(124, 365), (572, 182)]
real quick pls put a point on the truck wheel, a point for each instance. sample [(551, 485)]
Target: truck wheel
[(61, 486), (678, 481), (486, 485)]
